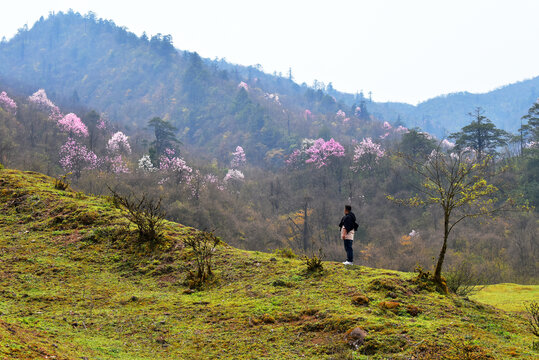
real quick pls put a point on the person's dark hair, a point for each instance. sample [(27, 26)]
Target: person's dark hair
[(348, 207)]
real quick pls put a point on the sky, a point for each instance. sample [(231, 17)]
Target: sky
[(406, 51)]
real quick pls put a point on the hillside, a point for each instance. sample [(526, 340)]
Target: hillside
[(90, 61), (73, 288)]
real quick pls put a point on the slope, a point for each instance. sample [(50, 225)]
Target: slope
[(85, 60), (72, 287)]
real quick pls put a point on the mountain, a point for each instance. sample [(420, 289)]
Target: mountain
[(444, 114), (74, 286), (82, 59)]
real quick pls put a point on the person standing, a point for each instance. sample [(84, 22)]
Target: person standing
[(348, 227)]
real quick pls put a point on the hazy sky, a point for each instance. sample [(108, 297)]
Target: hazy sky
[(400, 50)]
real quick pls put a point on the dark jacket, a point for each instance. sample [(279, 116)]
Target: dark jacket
[(349, 222)]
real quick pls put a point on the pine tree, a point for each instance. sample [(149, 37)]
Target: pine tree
[(480, 135)]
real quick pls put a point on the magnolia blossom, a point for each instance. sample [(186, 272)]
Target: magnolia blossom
[(401, 129), (387, 126), (101, 124), (75, 157), (175, 166), (273, 97), (145, 164), (307, 114), (238, 159), (243, 85), (8, 103), (41, 101), (413, 233), (119, 143), (340, 114), (117, 164), (357, 111), (447, 144), (366, 154), (346, 120), (234, 174), (532, 145), (321, 151), (384, 135), (426, 135), (212, 179), (73, 125)]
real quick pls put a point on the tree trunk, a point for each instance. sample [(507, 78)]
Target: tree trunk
[(305, 227), (438, 271)]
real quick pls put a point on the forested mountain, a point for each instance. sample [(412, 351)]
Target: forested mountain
[(82, 59)]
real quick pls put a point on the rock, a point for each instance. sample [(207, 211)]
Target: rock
[(360, 300), (389, 305), (355, 337), (413, 310)]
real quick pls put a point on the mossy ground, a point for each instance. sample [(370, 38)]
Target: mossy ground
[(73, 287)]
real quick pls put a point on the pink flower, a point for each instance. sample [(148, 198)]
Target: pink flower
[(366, 154), (75, 157), (321, 152), (117, 164), (42, 102), (239, 159), (384, 136), (119, 143), (386, 126), (234, 174), (307, 114), (73, 125), (447, 144), (8, 103), (357, 111), (340, 114), (243, 85), (401, 129), (175, 166)]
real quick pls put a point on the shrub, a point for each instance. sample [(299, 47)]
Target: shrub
[(533, 317), (286, 253), (314, 262), (61, 183), (203, 246), (145, 213), (461, 280)]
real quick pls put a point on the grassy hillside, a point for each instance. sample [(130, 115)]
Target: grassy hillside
[(509, 297), (72, 287)]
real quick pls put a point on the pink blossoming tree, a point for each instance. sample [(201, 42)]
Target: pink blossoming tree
[(73, 125), (75, 158), (366, 155), (243, 85), (239, 160), (8, 103), (42, 102), (321, 152), (175, 166), (117, 146)]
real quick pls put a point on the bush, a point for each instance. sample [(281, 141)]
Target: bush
[(533, 317), (61, 183), (203, 245), (286, 253), (145, 213), (314, 262), (462, 281)]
